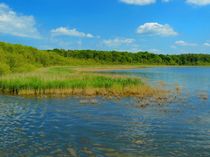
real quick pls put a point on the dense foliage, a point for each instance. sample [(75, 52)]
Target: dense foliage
[(136, 58), (18, 58)]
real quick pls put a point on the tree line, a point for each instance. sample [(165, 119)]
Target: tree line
[(114, 57), (19, 58)]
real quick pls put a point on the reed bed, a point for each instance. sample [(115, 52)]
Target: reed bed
[(62, 81)]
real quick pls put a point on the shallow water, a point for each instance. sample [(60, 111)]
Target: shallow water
[(32, 127)]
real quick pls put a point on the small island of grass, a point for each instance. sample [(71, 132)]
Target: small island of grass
[(63, 80)]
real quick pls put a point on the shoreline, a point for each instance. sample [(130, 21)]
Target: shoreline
[(137, 92), (59, 81), (79, 81), (127, 67), (76, 81)]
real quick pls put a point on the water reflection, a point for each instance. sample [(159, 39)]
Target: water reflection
[(71, 127)]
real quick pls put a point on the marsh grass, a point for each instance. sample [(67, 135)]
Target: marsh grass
[(62, 81)]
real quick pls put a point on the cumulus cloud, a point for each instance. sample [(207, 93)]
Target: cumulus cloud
[(166, 1), (155, 50), (15, 24), (154, 28), (148, 2), (143, 2), (206, 44), (199, 2), (184, 43), (138, 2), (118, 41), (63, 31)]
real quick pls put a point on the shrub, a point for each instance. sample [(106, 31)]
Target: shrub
[(25, 68), (4, 69)]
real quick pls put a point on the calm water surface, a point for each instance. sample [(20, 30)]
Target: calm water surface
[(52, 127)]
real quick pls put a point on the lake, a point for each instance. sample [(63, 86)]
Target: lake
[(62, 127)]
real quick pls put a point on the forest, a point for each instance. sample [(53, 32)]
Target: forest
[(19, 58), (115, 57)]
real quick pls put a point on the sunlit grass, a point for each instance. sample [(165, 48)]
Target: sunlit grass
[(67, 81)]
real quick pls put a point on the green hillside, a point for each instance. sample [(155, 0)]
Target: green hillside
[(19, 58)]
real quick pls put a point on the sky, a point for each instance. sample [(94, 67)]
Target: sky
[(158, 26)]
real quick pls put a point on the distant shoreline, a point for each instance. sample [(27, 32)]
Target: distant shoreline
[(125, 67)]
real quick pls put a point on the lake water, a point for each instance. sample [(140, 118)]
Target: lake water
[(52, 127)]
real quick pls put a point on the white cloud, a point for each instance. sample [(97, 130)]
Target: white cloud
[(118, 41), (166, 1), (148, 2), (184, 43), (138, 2), (154, 28), (63, 31), (155, 50), (199, 2), (206, 44), (17, 25)]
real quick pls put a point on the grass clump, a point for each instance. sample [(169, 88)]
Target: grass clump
[(67, 81)]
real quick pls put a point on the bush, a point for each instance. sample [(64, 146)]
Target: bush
[(4, 69), (25, 68)]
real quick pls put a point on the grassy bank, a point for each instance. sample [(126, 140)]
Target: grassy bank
[(15, 58), (70, 81), (18, 58), (28, 71)]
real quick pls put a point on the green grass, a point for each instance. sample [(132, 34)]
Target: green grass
[(65, 80), (49, 81), (60, 78)]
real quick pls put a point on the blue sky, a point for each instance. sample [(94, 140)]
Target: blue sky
[(159, 26)]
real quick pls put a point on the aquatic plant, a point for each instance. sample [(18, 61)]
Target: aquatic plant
[(67, 81)]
